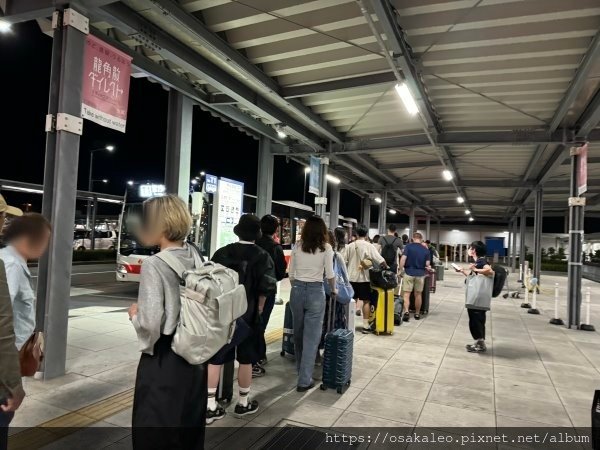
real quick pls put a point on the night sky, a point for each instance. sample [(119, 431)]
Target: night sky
[(217, 148)]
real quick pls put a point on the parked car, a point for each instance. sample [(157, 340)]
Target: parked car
[(104, 240)]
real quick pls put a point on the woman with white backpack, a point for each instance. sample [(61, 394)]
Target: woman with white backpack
[(169, 405)]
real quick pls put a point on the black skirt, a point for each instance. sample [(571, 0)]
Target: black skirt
[(169, 403)]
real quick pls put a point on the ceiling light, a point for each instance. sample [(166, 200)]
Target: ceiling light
[(5, 26), (194, 181), (460, 200), (471, 219), (105, 180), (505, 232), (307, 170), (378, 199), (280, 132), (467, 211), (332, 179), (392, 211), (202, 173), (456, 231), (407, 98), (447, 175)]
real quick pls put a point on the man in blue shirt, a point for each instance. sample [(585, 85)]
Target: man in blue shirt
[(415, 262)]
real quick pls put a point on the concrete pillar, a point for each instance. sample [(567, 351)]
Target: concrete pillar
[(264, 184), (522, 235), (179, 145), (412, 223), (382, 213), (321, 201), (58, 204), (537, 233), (366, 212), (576, 232), (509, 245), (428, 228), (438, 245), (334, 205), (513, 250)]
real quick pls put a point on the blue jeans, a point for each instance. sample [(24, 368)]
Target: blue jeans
[(307, 302)]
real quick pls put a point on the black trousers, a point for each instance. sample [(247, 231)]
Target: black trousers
[(169, 403), (477, 323)]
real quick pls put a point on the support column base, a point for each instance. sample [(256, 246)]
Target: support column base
[(533, 311), (557, 321), (586, 327), (526, 305)]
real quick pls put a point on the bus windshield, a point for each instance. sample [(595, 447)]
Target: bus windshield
[(130, 225)]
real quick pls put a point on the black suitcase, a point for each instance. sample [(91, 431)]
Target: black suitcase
[(337, 357), (424, 299), (287, 343), (225, 388), (596, 421)]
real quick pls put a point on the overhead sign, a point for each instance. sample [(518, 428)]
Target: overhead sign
[(152, 190), (105, 89), (210, 184), (314, 184), (228, 204), (582, 170)]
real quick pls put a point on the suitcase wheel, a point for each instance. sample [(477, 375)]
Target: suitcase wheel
[(323, 387), (282, 353), (339, 390)]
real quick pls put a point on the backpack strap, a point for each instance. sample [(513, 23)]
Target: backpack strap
[(197, 254), (173, 262)]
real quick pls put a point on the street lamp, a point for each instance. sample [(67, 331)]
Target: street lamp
[(5, 27), (106, 148)]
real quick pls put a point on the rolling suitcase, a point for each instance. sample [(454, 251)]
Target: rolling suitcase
[(398, 306), (337, 357), (287, 343), (432, 279), (382, 317), (225, 388), (424, 298), (596, 420)]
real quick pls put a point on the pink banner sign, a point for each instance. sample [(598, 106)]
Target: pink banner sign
[(582, 170), (106, 76)]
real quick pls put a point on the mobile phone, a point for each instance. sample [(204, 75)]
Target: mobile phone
[(456, 267)]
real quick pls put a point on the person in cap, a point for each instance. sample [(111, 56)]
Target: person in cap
[(11, 388), (257, 273)]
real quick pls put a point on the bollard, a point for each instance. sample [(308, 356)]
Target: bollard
[(587, 326), (556, 320), (446, 267), (520, 280), (526, 276), (533, 309)]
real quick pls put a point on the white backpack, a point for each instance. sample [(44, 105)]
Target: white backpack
[(211, 301)]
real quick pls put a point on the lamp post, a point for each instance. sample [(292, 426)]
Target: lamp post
[(108, 148)]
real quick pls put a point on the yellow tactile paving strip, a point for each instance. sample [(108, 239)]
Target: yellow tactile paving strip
[(54, 429)]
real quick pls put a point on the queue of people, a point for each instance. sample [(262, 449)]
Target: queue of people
[(171, 393)]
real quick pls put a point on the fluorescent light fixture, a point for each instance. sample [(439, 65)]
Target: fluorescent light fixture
[(407, 98), (407, 229), (471, 219), (447, 175), (332, 179), (467, 211), (307, 170), (460, 200), (282, 134), (130, 182), (22, 189), (392, 211), (5, 26), (505, 232), (456, 231), (378, 199)]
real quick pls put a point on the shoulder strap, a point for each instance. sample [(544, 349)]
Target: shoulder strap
[(173, 262), (197, 254)]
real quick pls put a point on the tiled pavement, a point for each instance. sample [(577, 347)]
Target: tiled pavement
[(534, 373)]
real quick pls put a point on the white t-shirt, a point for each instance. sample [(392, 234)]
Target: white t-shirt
[(357, 251), (310, 267)]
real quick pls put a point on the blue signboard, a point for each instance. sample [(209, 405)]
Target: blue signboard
[(314, 183), (210, 184)]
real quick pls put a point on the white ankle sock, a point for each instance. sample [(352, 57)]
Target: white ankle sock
[(243, 400), (212, 399)]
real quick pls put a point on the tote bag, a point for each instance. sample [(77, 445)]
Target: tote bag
[(342, 284), (479, 292)]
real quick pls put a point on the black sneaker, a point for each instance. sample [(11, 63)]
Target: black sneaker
[(358, 312), (279, 301), (305, 388), (366, 330), (258, 371), (406, 317), (246, 410), (477, 347), (217, 414), (417, 317), (263, 362)]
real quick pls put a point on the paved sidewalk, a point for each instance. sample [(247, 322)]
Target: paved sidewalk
[(534, 373)]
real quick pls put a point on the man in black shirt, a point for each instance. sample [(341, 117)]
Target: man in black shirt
[(268, 226), (255, 269)]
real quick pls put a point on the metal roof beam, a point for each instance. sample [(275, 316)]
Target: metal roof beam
[(590, 117), (337, 85), (23, 10), (170, 48), (266, 85), (439, 184), (455, 138)]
